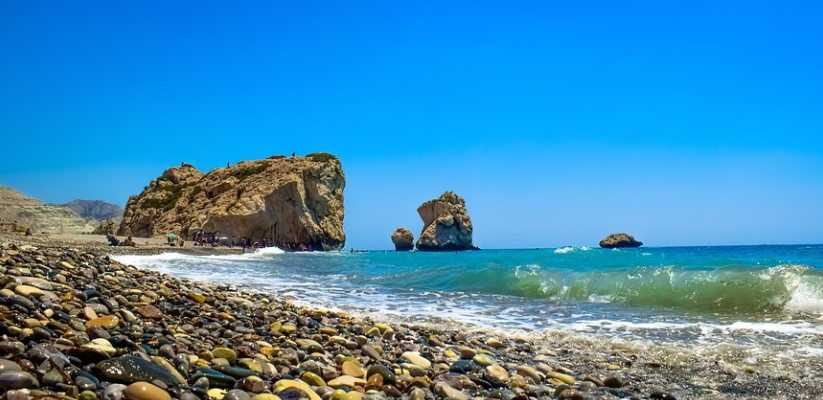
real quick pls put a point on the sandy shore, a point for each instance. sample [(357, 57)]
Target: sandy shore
[(144, 245), (107, 327)]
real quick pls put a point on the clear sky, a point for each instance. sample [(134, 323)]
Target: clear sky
[(682, 123)]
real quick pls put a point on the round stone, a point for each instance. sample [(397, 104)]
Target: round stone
[(416, 359), (114, 391), (8, 365), (229, 354), (109, 321), (18, 380), (145, 391), (346, 380), (26, 290), (352, 369)]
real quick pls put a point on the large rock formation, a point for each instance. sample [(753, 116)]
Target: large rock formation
[(403, 239), (618, 240), (446, 225), (19, 212), (293, 203)]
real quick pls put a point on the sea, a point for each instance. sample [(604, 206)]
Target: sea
[(753, 305)]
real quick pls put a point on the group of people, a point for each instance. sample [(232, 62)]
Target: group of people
[(113, 241)]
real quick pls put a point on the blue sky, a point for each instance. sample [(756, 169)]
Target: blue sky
[(559, 122)]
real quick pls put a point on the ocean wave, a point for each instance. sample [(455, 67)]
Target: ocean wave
[(571, 249)]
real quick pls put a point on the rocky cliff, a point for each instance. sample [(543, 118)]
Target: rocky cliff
[(18, 211), (292, 202), (446, 225), (618, 240)]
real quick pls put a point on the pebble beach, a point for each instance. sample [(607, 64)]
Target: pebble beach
[(76, 324)]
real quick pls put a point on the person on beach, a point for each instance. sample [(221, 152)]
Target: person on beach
[(129, 242)]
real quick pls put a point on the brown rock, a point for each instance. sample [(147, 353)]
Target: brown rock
[(293, 202), (403, 239), (619, 240), (446, 224), (150, 311)]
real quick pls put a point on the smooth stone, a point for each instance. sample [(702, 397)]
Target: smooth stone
[(529, 372), (494, 343), (167, 365), (568, 379), (351, 369), (236, 394), (443, 389), (387, 374), (39, 283), (498, 372), (416, 359), (114, 391), (234, 372), (145, 391), (26, 290), (371, 352), (8, 365), (109, 321), (347, 380), (571, 394), (467, 353), (483, 360), (216, 393), (215, 378), (18, 380), (614, 381), (196, 297), (84, 383), (228, 354), (284, 384), (353, 395), (313, 379), (131, 369)]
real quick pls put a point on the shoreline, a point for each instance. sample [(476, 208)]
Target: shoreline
[(280, 338)]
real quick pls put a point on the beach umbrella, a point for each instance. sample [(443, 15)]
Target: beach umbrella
[(172, 236)]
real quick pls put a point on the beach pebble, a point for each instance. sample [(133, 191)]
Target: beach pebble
[(416, 359), (18, 380), (346, 380), (614, 380), (145, 391), (8, 365)]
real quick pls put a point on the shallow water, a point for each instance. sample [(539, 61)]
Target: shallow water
[(760, 302)]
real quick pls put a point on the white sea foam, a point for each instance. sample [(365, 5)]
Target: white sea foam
[(571, 249)]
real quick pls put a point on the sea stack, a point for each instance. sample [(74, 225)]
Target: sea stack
[(446, 224), (403, 239), (618, 240), (293, 203)]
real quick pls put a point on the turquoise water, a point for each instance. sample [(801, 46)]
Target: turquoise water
[(769, 296)]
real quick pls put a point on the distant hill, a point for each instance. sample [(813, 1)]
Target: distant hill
[(17, 211), (96, 209)]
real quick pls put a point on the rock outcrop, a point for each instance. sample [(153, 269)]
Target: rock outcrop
[(19, 212), (106, 228), (403, 239), (619, 240), (446, 225), (293, 203)]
